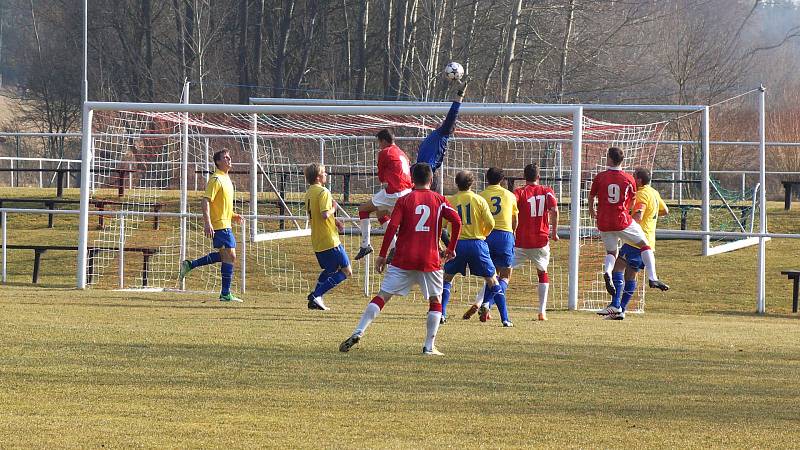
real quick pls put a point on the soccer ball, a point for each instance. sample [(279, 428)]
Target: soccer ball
[(453, 71)]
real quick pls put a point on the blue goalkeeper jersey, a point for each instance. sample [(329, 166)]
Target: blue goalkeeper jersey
[(434, 146)]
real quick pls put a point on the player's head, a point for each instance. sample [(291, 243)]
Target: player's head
[(315, 173), (464, 180), (615, 156), (531, 173), (421, 175), (642, 176), (222, 159), (494, 175), (385, 138)]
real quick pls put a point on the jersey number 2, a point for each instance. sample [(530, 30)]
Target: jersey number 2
[(424, 212)]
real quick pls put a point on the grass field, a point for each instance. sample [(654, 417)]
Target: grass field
[(101, 368)]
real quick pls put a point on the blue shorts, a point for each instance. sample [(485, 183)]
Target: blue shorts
[(224, 238), (632, 256), (501, 248), (473, 253), (332, 259)]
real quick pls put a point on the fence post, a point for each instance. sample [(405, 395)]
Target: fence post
[(40, 174), (68, 174), (680, 173), (4, 218), (12, 172), (672, 187), (743, 185), (122, 251), (243, 256)]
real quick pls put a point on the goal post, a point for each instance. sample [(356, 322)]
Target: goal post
[(513, 133)]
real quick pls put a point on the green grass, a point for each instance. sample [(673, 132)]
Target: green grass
[(118, 369), (92, 369)]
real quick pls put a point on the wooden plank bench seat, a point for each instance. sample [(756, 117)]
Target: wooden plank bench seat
[(794, 275), (39, 250)]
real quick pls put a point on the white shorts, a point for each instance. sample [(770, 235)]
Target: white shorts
[(383, 200), (540, 257), (632, 235), (400, 281)]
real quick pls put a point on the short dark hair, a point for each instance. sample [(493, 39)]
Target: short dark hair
[(642, 174), (421, 173), (531, 172), (615, 155), (494, 175), (464, 180), (218, 155), (385, 135)]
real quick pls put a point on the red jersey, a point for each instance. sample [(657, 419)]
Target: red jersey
[(615, 191), (418, 216), (394, 169), (534, 201)]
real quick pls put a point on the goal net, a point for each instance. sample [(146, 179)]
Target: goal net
[(163, 159)]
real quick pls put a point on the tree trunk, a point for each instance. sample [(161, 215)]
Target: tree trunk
[(258, 38), (347, 48), (279, 70), (147, 26), (470, 35), (363, 25), (387, 64), (309, 44), (400, 19), (562, 72), (181, 37), (244, 82), (513, 24)]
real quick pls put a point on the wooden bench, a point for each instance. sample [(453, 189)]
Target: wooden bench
[(795, 276), (121, 176), (50, 203), (787, 189), (39, 250)]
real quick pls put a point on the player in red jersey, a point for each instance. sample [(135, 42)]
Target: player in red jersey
[(538, 225), (418, 217), (394, 173), (614, 190)]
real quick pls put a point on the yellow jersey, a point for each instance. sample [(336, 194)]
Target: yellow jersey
[(219, 192), (503, 206), (324, 235), (649, 201), (476, 217)]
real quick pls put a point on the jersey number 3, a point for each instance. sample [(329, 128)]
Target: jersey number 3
[(424, 211)]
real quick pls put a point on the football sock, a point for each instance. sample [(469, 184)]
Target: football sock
[(503, 284), (630, 288), (488, 297), (649, 259), (480, 295), (210, 258), (608, 264), (370, 313), (227, 276), (434, 316), (446, 296), (364, 216), (500, 299), (328, 281), (543, 288), (617, 279)]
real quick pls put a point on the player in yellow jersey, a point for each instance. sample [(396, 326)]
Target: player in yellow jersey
[(217, 216), (324, 236), (503, 206), (647, 208), (471, 251)]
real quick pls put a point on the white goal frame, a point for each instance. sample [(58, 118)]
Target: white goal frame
[(322, 107)]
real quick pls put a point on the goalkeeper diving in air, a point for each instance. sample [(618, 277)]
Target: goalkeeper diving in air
[(432, 150)]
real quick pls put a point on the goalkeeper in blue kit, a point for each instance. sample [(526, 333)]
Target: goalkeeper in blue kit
[(433, 148)]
